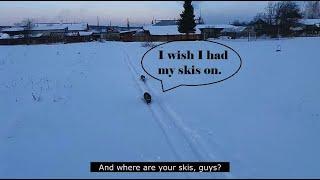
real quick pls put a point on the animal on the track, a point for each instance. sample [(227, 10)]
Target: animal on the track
[(147, 97)]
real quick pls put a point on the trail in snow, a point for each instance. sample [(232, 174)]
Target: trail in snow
[(161, 124), (156, 115), (157, 109), (173, 126)]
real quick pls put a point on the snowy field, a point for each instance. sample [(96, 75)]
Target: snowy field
[(65, 105)]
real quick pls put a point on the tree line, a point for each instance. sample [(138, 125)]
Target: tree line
[(280, 17)]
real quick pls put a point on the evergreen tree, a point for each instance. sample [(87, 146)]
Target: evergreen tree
[(187, 23)]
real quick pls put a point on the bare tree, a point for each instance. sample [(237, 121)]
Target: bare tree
[(27, 24), (312, 9), (270, 12), (279, 17)]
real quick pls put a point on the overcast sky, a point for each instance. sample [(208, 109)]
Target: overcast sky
[(138, 12)]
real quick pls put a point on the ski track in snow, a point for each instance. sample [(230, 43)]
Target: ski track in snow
[(161, 124), (159, 109), (156, 115)]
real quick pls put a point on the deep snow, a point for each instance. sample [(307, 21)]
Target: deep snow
[(65, 105)]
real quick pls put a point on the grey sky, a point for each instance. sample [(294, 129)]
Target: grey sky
[(138, 12)]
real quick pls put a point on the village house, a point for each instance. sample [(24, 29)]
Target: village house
[(168, 22), (127, 36), (212, 31), (304, 27), (48, 33), (57, 29), (167, 30), (168, 33), (311, 27), (12, 31), (202, 32), (80, 36), (261, 27), (98, 32), (238, 32), (113, 33)]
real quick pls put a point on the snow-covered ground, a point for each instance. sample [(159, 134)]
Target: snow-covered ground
[(63, 106)]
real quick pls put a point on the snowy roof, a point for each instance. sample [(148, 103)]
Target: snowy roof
[(72, 34), (95, 31), (310, 22), (173, 29), (4, 36), (220, 26), (18, 36), (60, 26), (166, 22), (126, 31), (234, 29), (77, 26), (83, 33), (37, 35), (51, 26), (296, 28), (165, 30), (12, 29), (98, 30)]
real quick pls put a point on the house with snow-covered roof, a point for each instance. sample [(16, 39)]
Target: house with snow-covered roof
[(12, 31), (165, 30), (313, 22), (168, 33), (58, 28), (310, 26), (238, 32), (168, 22), (46, 29), (202, 31), (212, 30), (39, 33)]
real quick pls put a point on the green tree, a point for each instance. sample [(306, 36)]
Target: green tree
[(187, 22)]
